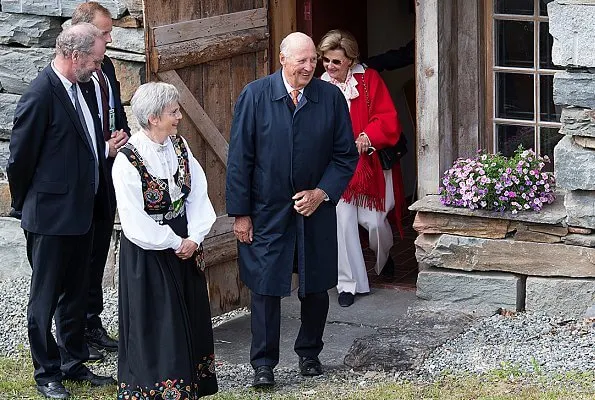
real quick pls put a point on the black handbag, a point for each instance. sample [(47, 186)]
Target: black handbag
[(388, 156)]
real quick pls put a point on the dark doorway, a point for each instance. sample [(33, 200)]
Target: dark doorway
[(379, 26)]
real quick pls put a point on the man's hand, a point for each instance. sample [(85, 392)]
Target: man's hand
[(307, 201), (242, 228), (186, 249), (118, 139)]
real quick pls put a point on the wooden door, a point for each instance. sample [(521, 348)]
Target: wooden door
[(209, 50)]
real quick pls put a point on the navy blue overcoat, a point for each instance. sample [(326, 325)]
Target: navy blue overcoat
[(274, 153)]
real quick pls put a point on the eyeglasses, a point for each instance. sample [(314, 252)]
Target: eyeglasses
[(174, 113), (327, 60)]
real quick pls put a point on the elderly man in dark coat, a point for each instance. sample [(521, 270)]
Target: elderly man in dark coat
[(291, 156)]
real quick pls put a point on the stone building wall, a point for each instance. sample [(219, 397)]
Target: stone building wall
[(28, 31)]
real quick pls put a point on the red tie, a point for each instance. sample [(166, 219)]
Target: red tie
[(104, 104), (294, 96)]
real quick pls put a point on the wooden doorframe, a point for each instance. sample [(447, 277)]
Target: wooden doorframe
[(282, 21)]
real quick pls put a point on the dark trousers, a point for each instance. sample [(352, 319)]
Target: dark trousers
[(59, 282), (102, 234), (266, 327)]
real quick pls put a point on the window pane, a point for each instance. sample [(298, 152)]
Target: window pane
[(546, 42), (548, 138), (548, 110), (514, 43), (522, 7), (514, 96), (543, 7), (509, 138)]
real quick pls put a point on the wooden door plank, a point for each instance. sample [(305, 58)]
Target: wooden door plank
[(217, 25), (199, 51), (198, 116)]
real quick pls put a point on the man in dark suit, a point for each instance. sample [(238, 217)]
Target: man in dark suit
[(291, 155), (57, 177), (104, 97)]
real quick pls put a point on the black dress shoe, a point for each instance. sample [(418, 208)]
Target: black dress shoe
[(346, 299), (94, 354), (94, 380), (98, 338), (263, 377), (53, 390), (310, 366)]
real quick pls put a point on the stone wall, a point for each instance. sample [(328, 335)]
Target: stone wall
[(28, 31), (480, 261)]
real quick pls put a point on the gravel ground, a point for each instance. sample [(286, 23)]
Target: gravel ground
[(524, 343)]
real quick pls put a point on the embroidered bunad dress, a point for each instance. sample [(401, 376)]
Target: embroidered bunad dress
[(166, 340)]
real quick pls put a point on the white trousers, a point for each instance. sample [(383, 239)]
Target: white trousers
[(353, 277)]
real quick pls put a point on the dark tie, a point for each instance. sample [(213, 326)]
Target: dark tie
[(294, 96), (79, 112), (104, 105)]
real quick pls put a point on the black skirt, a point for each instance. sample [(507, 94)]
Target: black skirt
[(166, 339)]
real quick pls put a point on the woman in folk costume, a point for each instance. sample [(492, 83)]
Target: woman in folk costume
[(166, 337), (372, 192)]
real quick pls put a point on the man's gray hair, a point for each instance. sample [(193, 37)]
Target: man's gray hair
[(80, 37), (150, 99)]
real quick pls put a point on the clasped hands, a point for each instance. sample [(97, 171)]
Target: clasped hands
[(118, 139), (186, 249)]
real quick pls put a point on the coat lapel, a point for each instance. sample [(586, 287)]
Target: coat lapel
[(64, 98)]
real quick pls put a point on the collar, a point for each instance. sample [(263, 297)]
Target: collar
[(288, 87), (279, 90), (67, 84)]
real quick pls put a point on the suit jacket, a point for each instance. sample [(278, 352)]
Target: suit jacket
[(121, 122), (51, 165)]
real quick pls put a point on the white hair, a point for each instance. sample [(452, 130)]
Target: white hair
[(289, 43), (150, 99)]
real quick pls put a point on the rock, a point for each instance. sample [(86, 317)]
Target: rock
[(571, 27), (580, 240), (426, 222), (505, 255), (131, 75), (128, 21), (18, 67), (59, 8), (548, 229), (574, 89), (584, 141), (135, 8), (479, 292), (4, 154), (5, 199), (124, 39), (538, 237), (122, 55), (13, 253), (574, 166), (580, 206), (8, 104), (578, 121), (567, 298), (581, 231), (132, 122), (410, 341), (29, 30), (551, 214)]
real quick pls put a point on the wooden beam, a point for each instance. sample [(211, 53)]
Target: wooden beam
[(222, 225), (220, 249), (199, 117), (283, 22), (199, 51), (218, 25), (428, 95)]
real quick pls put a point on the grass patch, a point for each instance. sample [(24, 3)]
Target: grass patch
[(506, 383)]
